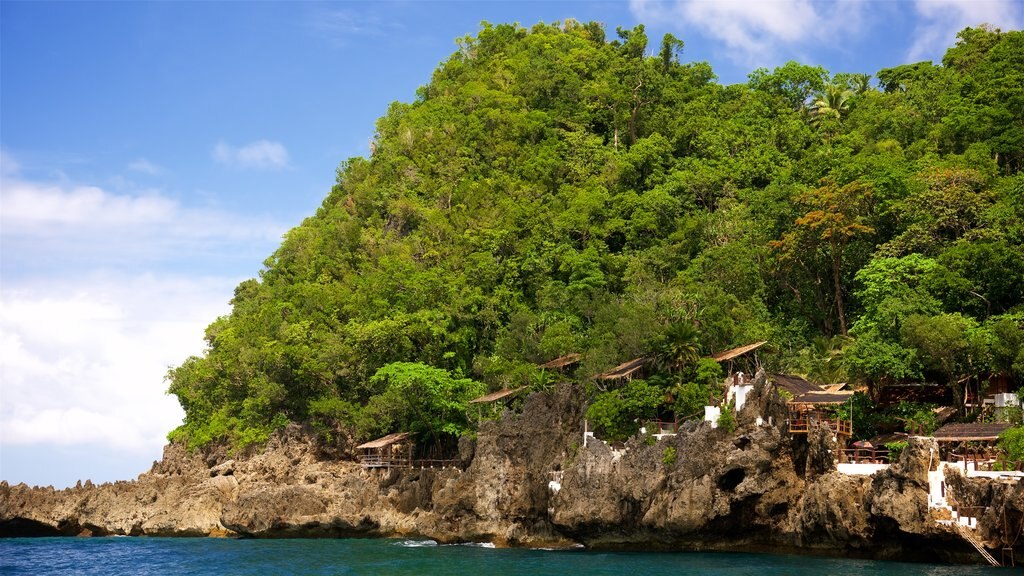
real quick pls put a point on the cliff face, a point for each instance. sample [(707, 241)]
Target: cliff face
[(756, 488)]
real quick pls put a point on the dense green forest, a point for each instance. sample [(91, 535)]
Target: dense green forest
[(553, 190)]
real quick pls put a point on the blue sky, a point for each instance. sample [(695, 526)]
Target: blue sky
[(153, 153)]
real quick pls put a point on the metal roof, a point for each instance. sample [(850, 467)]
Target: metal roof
[(970, 432), (495, 396), (385, 441), (733, 353)]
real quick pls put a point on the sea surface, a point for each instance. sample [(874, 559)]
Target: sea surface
[(220, 557)]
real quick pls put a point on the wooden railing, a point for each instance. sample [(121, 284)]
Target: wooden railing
[(374, 461), (662, 427), (806, 425), (867, 455)]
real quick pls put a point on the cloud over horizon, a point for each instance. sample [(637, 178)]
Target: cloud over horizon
[(102, 292), (84, 361)]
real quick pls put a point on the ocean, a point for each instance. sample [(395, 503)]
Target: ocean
[(220, 557)]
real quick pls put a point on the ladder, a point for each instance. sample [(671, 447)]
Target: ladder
[(968, 535)]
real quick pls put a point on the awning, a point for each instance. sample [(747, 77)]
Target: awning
[(822, 397), (385, 441), (624, 370), (495, 396), (733, 353), (561, 362), (977, 432)]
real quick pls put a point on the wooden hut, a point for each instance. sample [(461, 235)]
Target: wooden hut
[(971, 443), (387, 452), (808, 412)]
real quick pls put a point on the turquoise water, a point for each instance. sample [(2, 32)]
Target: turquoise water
[(203, 556)]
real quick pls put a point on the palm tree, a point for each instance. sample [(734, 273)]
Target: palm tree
[(832, 101), (679, 346)]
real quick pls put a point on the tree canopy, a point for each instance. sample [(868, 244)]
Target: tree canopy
[(549, 191)]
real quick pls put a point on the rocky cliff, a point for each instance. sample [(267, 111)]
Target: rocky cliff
[(755, 488)]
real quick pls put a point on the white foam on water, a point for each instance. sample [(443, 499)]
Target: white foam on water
[(417, 543)]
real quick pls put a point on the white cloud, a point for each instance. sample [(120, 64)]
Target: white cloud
[(338, 26), (754, 30), (29, 206), (940, 20), (261, 154), (145, 166), (8, 165), (90, 318), (60, 222), (83, 362)]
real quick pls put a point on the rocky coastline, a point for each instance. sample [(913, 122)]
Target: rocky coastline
[(756, 488)]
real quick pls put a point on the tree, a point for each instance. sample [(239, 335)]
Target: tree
[(617, 414), (951, 345), (678, 346), (793, 82), (671, 48), (421, 399), (837, 215), (833, 101)]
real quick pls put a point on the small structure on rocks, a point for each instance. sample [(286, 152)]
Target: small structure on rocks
[(496, 399), (387, 452)]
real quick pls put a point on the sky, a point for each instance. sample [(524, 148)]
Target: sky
[(152, 154)]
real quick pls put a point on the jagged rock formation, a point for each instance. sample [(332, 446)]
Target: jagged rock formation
[(756, 488)]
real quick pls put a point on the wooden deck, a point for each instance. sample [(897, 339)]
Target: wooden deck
[(381, 462)]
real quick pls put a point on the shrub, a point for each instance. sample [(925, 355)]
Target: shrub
[(668, 457)]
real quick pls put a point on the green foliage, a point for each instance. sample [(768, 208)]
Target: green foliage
[(727, 420), (421, 399), (669, 456), (550, 192), (1012, 443), (895, 449), (617, 414)]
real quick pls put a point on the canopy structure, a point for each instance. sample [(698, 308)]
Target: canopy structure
[(624, 370), (561, 362), (817, 397), (495, 396), (736, 352), (976, 432), (795, 385), (384, 442)]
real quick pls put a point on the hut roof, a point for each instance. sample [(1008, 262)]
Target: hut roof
[(795, 385), (822, 397), (495, 396), (562, 362), (385, 441), (733, 353), (918, 392), (624, 370), (970, 432)]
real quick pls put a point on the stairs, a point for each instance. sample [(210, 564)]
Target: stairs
[(967, 534)]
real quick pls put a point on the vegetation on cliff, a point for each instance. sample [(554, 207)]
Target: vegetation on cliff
[(550, 191)]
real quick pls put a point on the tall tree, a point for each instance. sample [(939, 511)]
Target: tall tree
[(836, 215)]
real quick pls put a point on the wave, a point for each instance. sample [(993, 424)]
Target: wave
[(416, 543)]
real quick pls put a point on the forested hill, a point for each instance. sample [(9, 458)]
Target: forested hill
[(553, 190)]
